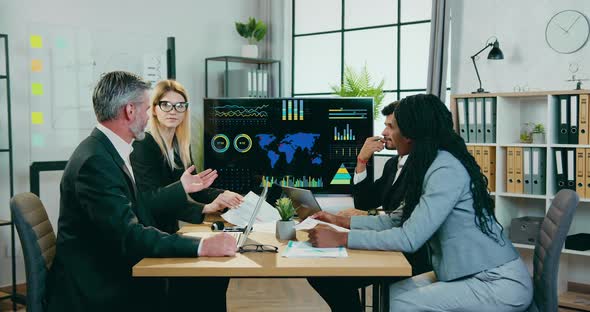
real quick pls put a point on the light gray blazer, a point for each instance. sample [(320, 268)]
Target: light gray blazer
[(445, 219)]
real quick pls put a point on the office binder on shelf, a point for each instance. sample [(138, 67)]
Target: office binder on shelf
[(265, 84), (527, 170), (471, 150), (583, 120), (571, 169), (462, 118), (510, 169), (560, 175), (490, 120), (518, 177), (563, 118), (479, 156), (252, 83), (471, 120), (259, 83), (587, 174), (580, 172), (538, 169), (489, 166), (573, 131), (238, 83), (479, 120)]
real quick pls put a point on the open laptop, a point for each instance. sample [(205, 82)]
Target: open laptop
[(303, 200), (242, 237)]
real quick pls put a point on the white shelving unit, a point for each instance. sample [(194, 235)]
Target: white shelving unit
[(512, 111)]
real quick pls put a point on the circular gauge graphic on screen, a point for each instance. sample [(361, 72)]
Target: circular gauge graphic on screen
[(220, 143), (242, 143)]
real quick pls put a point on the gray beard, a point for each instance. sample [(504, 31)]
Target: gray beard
[(137, 131)]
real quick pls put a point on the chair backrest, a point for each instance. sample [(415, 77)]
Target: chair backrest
[(552, 236), (38, 243)]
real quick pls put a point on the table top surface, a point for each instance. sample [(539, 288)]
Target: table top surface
[(365, 263)]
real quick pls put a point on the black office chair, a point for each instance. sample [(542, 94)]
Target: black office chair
[(552, 236), (38, 243)]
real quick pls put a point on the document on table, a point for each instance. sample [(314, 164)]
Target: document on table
[(241, 215), (310, 223), (306, 250)]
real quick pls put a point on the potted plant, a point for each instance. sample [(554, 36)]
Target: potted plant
[(254, 30), (526, 133), (286, 226), (538, 133), (360, 85)]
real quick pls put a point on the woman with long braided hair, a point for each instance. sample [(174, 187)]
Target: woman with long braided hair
[(446, 205)]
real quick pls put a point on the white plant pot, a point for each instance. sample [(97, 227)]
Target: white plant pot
[(538, 138), (285, 230), (250, 50)]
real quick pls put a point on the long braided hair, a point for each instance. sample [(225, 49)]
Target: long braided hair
[(426, 120)]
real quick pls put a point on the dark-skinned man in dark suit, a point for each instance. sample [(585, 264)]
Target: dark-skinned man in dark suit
[(104, 228)]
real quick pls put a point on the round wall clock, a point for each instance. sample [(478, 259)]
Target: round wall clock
[(567, 31)]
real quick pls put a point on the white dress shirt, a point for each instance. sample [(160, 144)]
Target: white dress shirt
[(123, 148), (360, 176)]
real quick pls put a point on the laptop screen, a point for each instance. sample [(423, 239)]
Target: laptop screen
[(248, 228), (303, 200)]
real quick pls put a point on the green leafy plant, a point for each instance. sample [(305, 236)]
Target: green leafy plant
[(360, 84), (254, 30), (538, 128), (526, 137), (285, 208)]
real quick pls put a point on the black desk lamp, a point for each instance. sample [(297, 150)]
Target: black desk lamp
[(495, 54)]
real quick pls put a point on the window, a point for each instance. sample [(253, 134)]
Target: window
[(392, 37)]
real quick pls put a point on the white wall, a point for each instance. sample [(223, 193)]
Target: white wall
[(520, 28), (528, 61), (202, 29)]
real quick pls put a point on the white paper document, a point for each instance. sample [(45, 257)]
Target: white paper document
[(241, 215), (310, 223), (306, 250)]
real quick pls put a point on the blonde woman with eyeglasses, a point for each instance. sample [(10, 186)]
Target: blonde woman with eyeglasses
[(159, 160)]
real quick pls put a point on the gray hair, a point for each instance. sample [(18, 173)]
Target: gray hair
[(114, 90)]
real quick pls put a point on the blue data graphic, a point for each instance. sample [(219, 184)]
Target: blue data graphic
[(238, 111), (300, 144)]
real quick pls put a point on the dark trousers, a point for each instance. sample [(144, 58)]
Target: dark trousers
[(340, 293), (197, 294)]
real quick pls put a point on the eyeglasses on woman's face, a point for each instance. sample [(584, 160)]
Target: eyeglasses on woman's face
[(166, 106)]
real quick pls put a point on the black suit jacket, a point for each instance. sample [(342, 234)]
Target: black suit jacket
[(103, 232), (152, 173), (383, 192)]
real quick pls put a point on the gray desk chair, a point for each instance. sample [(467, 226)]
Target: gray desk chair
[(552, 236), (38, 243)]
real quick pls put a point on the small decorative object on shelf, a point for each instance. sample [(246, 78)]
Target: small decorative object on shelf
[(286, 226), (254, 31), (526, 133), (360, 84), (538, 133)]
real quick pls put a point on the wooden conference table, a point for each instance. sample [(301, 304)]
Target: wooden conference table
[(381, 265)]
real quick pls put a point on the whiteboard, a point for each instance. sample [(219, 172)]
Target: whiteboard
[(65, 65)]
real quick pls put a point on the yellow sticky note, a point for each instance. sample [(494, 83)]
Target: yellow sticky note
[(36, 42), (37, 89), (37, 118), (36, 66)]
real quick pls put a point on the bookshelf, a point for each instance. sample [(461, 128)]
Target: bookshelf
[(272, 88), (513, 110)]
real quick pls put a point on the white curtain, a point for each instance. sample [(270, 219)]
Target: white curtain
[(439, 48)]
